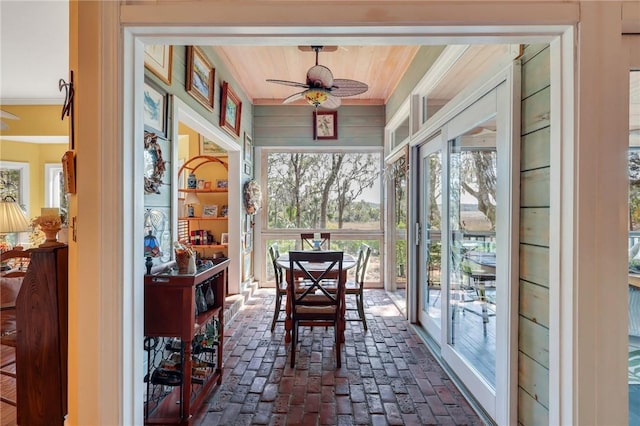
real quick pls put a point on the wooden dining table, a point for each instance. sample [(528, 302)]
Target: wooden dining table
[(348, 262)]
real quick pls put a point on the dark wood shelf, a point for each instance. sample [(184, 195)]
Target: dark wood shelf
[(170, 312)]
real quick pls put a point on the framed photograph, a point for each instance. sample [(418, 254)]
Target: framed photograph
[(325, 125), (200, 184), (207, 184), (155, 109), (224, 239), (248, 169), (222, 184), (248, 148), (200, 76), (158, 58), (210, 148), (230, 110), (210, 211)]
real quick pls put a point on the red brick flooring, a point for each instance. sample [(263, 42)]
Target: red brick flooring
[(388, 376)]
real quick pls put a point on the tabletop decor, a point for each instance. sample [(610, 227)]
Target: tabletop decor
[(252, 196), (154, 164), (50, 225)]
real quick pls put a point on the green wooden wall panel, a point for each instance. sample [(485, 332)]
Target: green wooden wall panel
[(534, 264), (530, 411), (535, 111), (534, 341), (534, 302), (535, 150), (533, 374), (292, 125), (534, 379), (534, 226), (536, 74), (534, 188)]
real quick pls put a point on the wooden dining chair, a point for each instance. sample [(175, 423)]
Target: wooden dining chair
[(307, 240), (356, 287), (281, 285), (14, 264), (321, 301)]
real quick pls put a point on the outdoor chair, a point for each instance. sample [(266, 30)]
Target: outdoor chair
[(281, 285), (321, 301), (356, 287)]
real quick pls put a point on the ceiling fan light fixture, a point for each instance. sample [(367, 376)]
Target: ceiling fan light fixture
[(316, 97)]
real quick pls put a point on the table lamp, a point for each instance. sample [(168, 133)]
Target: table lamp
[(12, 218)]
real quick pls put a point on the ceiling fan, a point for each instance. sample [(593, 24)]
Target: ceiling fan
[(6, 115), (321, 89)]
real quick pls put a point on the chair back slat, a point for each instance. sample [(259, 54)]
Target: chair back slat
[(274, 254), (318, 280), (363, 261)]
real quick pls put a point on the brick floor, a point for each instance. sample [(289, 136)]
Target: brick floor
[(388, 376)]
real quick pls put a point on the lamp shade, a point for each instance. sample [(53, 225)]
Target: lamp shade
[(191, 198), (12, 218)]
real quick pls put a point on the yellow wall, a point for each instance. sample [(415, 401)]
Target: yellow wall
[(36, 120), (37, 155)]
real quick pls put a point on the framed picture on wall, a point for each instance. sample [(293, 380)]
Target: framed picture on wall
[(224, 239), (158, 58), (230, 110), (155, 109), (325, 124), (210, 148), (210, 211), (248, 148), (200, 76)]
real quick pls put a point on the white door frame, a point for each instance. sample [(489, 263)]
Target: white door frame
[(105, 357)]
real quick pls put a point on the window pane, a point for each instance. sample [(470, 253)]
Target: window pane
[(311, 190)]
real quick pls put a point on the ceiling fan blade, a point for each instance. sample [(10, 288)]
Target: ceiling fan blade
[(288, 83), (8, 115), (319, 76), (331, 103), (344, 87), (294, 97)]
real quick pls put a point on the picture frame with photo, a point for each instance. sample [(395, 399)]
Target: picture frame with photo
[(158, 58), (325, 125), (210, 148), (210, 210), (230, 110), (248, 148), (155, 109), (200, 184), (200, 77), (222, 184), (224, 239), (248, 169), (207, 184)]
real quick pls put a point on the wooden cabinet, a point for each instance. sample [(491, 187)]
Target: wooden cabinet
[(208, 203), (183, 343)]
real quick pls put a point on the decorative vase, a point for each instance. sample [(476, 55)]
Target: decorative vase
[(51, 236), (192, 181)]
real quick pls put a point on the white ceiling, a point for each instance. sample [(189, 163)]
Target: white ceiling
[(34, 51)]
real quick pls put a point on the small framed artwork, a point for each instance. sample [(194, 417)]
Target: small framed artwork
[(210, 148), (155, 109), (222, 184), (158, 58), (248, 148), (200, 184), (207, 184), (248, 169), (325, 124), (210, 211), (200, 77), (224, 239), (230, 110)]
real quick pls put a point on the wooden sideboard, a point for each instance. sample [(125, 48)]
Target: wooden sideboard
[(183, 344), (41, 340)]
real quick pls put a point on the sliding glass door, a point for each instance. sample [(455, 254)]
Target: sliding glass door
[(467, 237)]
